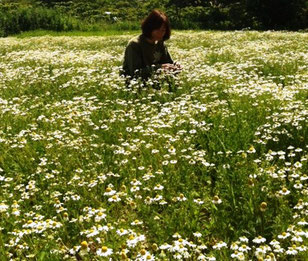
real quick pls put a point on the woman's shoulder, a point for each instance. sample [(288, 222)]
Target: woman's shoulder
[(135, 41)]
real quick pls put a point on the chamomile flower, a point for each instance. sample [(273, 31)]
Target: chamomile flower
[(134, 189), (158, 187), (259, 240), (135, 182), (136, 222), (244, 248), (302, 222), (251, 150), (292, 251), (109, 192), (114, 198), (100, 216), (274, 242), (297, 239), (261, 251), (284, 191), (238, 256), (284, 235), (122, 232), (302, 248), (234, 245), (165, 246), (216, 200), (244, 239), (145, 256), (198, 201), (220, 245), (3, 207), (84, 246), (104, 251), (181, 197), (197, 234)]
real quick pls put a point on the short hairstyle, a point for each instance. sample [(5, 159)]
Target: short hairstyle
[(153, 22)]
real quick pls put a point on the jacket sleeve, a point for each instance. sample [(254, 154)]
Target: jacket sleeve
[(166, 57), (132, 59), (133, 62)]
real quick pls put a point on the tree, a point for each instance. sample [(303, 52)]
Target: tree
[(279, 14), (186, 3)]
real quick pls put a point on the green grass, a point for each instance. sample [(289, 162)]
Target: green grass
[(38, 33), (218, 150)]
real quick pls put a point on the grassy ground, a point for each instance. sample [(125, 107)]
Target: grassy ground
[(213, 165), (37, 33)]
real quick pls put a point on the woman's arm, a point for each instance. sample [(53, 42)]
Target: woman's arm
[(166, 57), (132, 59), (133, 63)]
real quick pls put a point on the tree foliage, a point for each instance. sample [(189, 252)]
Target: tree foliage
[(21, 15)]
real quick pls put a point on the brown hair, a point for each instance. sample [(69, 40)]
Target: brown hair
[(154, 21)]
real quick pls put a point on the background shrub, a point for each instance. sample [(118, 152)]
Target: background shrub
[(18, 16)]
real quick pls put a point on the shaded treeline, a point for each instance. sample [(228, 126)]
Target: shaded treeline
[(23, 15)]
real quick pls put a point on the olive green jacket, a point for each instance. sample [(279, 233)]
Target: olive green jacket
[(142, 58)]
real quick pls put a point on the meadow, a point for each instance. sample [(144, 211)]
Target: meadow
[(212, 165)]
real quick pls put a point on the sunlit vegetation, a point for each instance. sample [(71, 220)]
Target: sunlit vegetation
[(209, 164)]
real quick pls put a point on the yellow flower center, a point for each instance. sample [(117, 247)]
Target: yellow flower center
[(154, 247), (84, 244)]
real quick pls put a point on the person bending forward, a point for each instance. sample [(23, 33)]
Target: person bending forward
[(147, 52)]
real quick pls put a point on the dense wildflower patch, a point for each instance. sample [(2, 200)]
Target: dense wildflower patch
[(210, 166)]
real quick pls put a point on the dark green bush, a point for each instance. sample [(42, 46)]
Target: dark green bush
[(64, 15), (18, 18)]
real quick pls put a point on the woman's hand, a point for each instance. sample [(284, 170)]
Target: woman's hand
[(171, 67)]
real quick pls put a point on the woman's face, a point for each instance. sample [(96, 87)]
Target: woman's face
[(158, 34)]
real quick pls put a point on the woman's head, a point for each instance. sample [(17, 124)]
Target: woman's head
[(156, 26)]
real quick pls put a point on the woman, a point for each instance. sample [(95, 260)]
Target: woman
[(147, 52)]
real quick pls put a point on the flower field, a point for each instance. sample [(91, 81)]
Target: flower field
[(212, 165)]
